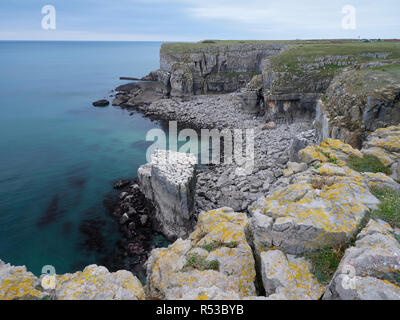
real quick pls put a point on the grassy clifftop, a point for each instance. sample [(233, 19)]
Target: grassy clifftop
[(187, 47), (328, 57)]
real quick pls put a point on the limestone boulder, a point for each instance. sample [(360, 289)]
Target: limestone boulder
[(18, 283), (215, 258), (97, 283), (289, 276), (300, 218), (384, 144), (371, 269)]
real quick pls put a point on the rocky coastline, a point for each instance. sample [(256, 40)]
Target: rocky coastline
[(253, 236)]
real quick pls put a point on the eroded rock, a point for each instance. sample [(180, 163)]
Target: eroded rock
[(171, 275), (169, 181), (370, 270)]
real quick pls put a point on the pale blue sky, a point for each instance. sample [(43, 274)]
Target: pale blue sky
[(191, 20)]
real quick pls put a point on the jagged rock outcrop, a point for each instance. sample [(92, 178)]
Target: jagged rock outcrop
[(169, 181), (288, 277), (97, 283), (18, 283), (385, 145), (370, 269), (215, 262), (300, 142), (94, 283)]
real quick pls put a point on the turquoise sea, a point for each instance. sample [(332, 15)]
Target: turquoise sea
[(59, 154)]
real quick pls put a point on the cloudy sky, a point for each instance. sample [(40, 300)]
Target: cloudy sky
[(192, 20)]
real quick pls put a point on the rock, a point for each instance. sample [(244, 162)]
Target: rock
[(18, 283), (334, 149), (293, 168), (300, 142), (289, 276), (370, 269), (124, 219), (97, 283), (318, 207), (385, 145), (300, 218), (169, 181), (119, 100), (121, 183), (101, 103), (269, 126), (169, 277)]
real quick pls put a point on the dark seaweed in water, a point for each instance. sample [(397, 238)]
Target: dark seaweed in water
[(52, 213), (136, 227), (138, 231), (93, 231)]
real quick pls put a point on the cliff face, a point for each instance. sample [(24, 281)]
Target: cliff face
[(360, 100), (214, 68)]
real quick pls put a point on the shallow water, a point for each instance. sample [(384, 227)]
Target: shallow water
[(59, 155)]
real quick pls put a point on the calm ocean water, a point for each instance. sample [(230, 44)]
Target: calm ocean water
[(60, 155)]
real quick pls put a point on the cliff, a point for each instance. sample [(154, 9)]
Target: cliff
[(214, 66), (360, 100)]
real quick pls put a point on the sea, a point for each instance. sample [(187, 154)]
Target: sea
[(60, 155)]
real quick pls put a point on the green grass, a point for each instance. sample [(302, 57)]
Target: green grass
[(300, 54), (325, 262), (331, 159), (389, 208), (196, 262), (218, 244), (368, 163), (186, 47)]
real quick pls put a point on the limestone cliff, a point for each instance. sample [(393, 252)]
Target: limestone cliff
[(217, 66), (360, 100)]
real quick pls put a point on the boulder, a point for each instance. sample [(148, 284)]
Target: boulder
[(172, 275), (18, 283), (289, 276), (384, 144), (101, 103), (121, 183), (169, 181), (300, 218), (97, 283), (370, 270)]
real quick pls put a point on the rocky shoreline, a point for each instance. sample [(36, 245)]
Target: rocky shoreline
[(217, 185), (256, 235)]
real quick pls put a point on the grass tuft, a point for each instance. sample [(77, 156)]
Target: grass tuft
[(196, 262), (389, 208), (368, 163), (218, 244), (325, 262)]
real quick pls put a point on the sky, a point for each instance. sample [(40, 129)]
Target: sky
[(192, 20)]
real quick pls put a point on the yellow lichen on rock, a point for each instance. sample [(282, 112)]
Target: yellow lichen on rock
[(18, 283), (289, 276), (330, 150), (167, 276), (97, 283)]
